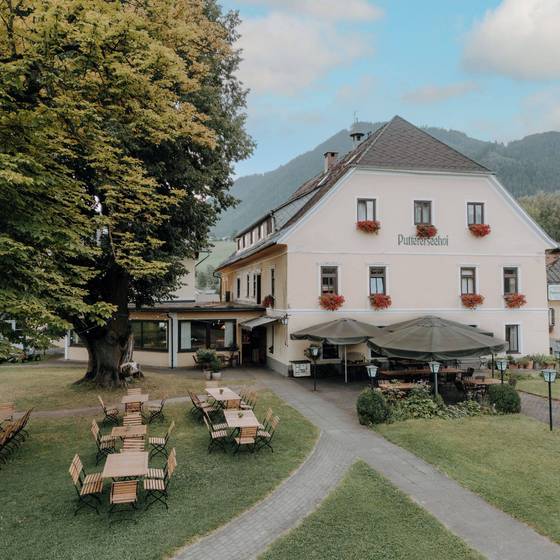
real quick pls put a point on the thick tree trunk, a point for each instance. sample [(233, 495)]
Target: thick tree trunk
[(107, 345)]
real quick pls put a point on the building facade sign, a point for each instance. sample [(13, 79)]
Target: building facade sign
[(437, 241)]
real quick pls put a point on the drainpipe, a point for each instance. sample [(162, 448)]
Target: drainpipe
[(173, 339)]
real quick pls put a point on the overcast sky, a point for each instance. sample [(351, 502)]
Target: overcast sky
[(490, 68)]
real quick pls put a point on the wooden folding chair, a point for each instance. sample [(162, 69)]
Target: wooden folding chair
[(249, 402), (111, 414), (133, 419), (247, 437), (131, 444), (154, 411), (264, 437), (159, 444), (132, 407), (160, 473), (105, 444), (87, 485), (217, 437), (157, 488), (123, 493), (264, 425), (134, 391), (7, 411)]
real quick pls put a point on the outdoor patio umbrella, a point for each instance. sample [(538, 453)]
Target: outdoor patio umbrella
[(342, 332), (432, 338)]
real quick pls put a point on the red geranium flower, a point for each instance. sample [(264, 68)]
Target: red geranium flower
[(472, 300), (480, 230), (380, 301), (426, 230), (331, 302), (515, 300), (368, 226)]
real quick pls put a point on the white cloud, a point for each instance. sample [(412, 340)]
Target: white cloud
[(541, 111), (520, 39), (335, 10), (434, 94), (284, 54)]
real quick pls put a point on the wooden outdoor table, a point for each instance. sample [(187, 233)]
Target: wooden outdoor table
[(226, 395), (121, 465), (485, 381), (248, 420), (129, 431), (127, 399)]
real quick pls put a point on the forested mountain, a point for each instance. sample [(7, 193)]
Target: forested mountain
[(524, 166)]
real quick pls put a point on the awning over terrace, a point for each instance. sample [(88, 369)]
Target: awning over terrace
[(432, 338), (258, 322)]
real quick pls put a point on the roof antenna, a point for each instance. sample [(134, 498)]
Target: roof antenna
[(355, 133)]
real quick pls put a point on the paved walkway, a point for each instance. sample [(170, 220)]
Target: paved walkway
[(493, 533), (537, 407)]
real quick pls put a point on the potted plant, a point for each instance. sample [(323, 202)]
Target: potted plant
[(514, 301), (206, 360), (512, 362), (368, 226), (472, 301), (480, 230), (331, 302), (216, 369), (380, 301), (426, 230), (268, 301)]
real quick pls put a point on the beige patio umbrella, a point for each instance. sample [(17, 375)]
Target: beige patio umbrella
[(342, 332)]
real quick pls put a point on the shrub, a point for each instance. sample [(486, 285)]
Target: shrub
[(368, 226), (504, 398), (472, 300), (514, 301), (464, 409), (206, 358), (426, 230), (372, 407), (268, 301)]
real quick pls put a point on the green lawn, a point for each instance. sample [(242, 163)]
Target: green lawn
[(368, 518), (511, 461), (38, 500), (539, 387), (48, 387)]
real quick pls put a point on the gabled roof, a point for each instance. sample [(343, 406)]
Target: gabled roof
[(553, 272), (397, 145)]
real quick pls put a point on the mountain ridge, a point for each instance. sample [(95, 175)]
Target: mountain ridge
[(524, 166)]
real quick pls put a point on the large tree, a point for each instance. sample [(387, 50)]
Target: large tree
[(144, 119), (544, 208)]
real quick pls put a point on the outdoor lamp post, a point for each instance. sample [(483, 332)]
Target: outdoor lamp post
[(372, 373), (549, 375), (434, 368), (314, 353), (502, 364)]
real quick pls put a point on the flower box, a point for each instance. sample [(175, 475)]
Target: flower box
[(514, 301), (472, 301), (368, 226), (480, 230), (268, 301), (380, 301), (331, 302), (426, 230)]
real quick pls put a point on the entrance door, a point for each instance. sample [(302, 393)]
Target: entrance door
[(259, 295)]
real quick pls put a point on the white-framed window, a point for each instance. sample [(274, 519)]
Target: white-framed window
[(366, 209), (511, 280), (377, 280), (512, 339), (475, 213), (468, 280), (329, 279), (423, 212)]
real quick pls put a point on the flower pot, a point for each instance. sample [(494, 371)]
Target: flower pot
[(207, 374), (217, 374), (530, 364)]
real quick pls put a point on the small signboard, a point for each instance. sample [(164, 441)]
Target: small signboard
[(554, 292)]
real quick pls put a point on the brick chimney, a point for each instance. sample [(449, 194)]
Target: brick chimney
[(330, 159)]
